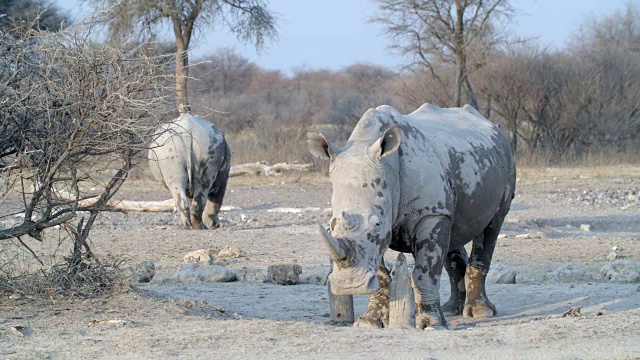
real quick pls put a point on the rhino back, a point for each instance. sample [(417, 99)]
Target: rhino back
[(451, 162), (189, 135)]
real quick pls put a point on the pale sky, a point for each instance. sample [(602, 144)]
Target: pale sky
[(333, 34)]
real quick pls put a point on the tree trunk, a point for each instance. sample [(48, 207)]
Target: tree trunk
[(402, 306), (459, 50), (182, 75), (341, 306)]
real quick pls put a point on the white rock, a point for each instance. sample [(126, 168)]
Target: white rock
[(585, 227), (503, 236), (284, 274), (250, 275), (200, 256), (566, 274), (229, 251), (621, 271), (245, 218), (612, 256), (538, 235), (526, 278), (503, 277), (195, 272), (524, 236), (614, 248), (142, 272)]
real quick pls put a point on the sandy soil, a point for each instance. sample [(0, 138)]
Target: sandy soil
[(242, 320)]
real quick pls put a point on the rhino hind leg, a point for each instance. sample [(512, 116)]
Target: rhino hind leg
[(456, 264), (197, 207), (215, 198), (377, 314), (182, 205), (477, 303)]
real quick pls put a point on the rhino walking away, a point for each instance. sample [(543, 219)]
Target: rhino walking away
[(190, 157), (426, 183)]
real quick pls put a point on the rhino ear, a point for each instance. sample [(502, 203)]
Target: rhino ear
[(387, 144), (320, 147)]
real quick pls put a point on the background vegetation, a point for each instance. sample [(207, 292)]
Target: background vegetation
[(579, 104)]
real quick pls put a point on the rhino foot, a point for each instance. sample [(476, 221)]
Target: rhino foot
[(368, 322), (425, 321), (479, 309), (453, 307)]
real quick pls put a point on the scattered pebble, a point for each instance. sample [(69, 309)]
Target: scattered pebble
[(503, 236), (18, 330), (585, 227), (612, 256), (524, 236)]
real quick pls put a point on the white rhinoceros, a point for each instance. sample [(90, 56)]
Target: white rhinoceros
[(425, 183), (190, 157)]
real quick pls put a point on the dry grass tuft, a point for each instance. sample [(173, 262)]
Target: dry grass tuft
[(63, 280)]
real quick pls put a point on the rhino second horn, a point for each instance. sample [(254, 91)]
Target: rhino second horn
[(336, 249)]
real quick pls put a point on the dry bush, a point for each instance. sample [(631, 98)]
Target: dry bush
[(75, 116)]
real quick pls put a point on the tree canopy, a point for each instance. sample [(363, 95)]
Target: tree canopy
[(37, 14), (250, 20)]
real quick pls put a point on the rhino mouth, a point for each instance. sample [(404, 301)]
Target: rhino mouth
[(364, 285)]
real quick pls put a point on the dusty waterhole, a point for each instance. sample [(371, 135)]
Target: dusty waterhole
[(290, 321)]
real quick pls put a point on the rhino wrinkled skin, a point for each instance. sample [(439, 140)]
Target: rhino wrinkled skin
[(425, 183), (190, 157)]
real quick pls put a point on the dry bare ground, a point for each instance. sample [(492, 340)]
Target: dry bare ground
[(241, 320)]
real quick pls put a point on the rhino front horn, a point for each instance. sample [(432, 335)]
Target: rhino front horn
[(336, 248)]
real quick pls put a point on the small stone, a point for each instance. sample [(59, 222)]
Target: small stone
[(229, 251), (245, 218), (614, 248), (284, 274), (538, 235), (585, 227), (503, 277), (503, 236), (612, 256), (524, 236), (566, 274), (250, 275), (200, 256), (18, 330)]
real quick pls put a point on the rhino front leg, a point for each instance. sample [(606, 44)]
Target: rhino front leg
[(377, 314), (456, 264), (477, 303), (432, 236)]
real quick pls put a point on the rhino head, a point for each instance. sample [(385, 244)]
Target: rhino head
[(364, 191)]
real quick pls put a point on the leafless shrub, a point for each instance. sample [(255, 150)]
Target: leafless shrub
[(74, 117)]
